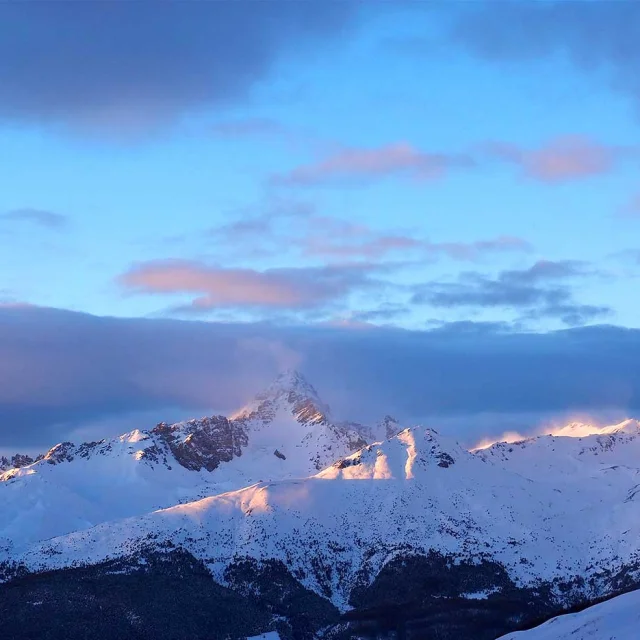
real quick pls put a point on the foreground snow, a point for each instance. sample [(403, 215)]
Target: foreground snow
[(617, 619)]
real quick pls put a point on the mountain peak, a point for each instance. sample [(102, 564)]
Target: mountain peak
[(292, 380), (289, 392)]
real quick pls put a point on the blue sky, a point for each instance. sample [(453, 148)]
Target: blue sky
[(405, 165)]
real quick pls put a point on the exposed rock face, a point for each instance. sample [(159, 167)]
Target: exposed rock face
[(16, 462), (292, 389), (63, 452), (203, 444)]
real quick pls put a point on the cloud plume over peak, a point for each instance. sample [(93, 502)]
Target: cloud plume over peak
[(61, 370)]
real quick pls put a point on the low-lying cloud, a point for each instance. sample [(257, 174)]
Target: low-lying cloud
[(60, 371)]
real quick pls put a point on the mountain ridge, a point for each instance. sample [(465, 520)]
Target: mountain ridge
[(279, 503)]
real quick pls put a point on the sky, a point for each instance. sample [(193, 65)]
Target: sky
[(429, 208)]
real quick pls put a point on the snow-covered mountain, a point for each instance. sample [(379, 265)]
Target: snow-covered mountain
[(286, 431), (616, 619), (331, 538), (417, 491)]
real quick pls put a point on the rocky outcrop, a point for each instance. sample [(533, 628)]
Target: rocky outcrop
[(16, 462), (202, 444)]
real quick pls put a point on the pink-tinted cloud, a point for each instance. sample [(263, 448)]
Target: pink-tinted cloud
[(562, 159), (372, 246), (366, 164), (294, 227), (219, 288)]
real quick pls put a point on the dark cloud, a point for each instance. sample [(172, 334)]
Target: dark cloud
[(129, 65), (599, 37), (538, 292), (40, 217), (70, 369)]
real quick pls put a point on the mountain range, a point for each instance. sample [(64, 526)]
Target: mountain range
[(280, 519)]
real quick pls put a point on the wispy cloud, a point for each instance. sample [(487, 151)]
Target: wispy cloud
[(294, 226), (39, 217), (361, 165), (563, 159), (539, 291), (218, 288), (374, 245), (257, 223)]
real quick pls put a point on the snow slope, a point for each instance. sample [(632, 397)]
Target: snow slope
[(416, 493), (616, 619)]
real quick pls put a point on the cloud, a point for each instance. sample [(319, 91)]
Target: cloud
[(562, 159), (220, 288), (632, 208), (539, 291), (248, 127), (602, 38), (283, 225), (371, 245), (257, 224), (134, 65), (39, 217), (565, 158), (61, 371), (361, 165)]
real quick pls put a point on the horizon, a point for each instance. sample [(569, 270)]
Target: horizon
[(569, 424)]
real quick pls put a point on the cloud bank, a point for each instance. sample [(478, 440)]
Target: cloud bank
[(61, 370)]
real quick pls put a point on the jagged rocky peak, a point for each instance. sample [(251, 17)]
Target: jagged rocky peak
[(198, 444), (289, 392), (16, 462), (62, 452)]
